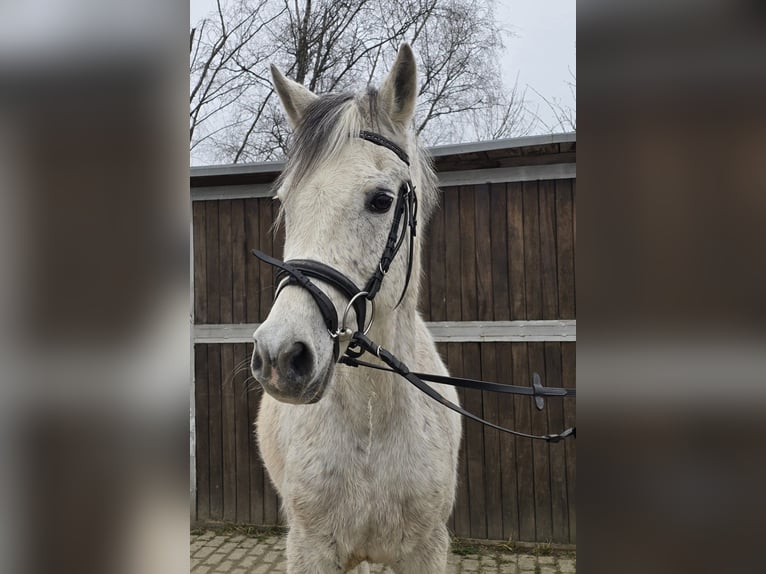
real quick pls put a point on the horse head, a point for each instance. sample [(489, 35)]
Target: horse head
[(338, 193)]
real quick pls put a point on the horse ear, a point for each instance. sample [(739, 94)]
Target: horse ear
[(399, 91), (295, 98)]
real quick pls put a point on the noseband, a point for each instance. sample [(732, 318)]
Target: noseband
[(300, 272)]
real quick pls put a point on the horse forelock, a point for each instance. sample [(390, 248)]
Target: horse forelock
[(332, 121)]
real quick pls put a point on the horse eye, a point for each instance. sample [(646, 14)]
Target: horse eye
[(380, 202)]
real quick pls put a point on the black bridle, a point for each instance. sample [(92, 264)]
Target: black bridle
[(300, 272)]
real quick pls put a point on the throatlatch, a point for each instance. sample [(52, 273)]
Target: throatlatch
[(300, 272)]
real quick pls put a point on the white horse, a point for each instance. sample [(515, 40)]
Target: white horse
[(364, 462)]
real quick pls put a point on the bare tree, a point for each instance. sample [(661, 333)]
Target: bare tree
[(564, 115), (335, 45)]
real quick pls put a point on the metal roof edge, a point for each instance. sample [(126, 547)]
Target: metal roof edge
[(524, 141), (435, 152)]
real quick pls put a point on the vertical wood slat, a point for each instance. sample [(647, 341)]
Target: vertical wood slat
[(523, 446), (241, 360), (555, 411), (474, 432), (488, 363), (228, 416), (436, 267), (214, 361), (242, 435), (568, 368), (215, 429), (256, 470), (565, 249), (239, 255), (452, 253), (507, 465), (534, 300), (540, 452), (200, 261), (202, 454), (548, 268), (252, 265), (516, 267)]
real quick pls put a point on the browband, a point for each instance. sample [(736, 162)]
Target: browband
[(386, 143)]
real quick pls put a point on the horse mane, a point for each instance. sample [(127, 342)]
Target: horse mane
[(333, 121)]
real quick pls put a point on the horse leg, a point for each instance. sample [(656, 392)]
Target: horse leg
[(430, 557), (309, 555)]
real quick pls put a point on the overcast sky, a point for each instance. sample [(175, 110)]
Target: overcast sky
[(541, 50)]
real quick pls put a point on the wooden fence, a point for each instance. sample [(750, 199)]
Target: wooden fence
[(499, 294)]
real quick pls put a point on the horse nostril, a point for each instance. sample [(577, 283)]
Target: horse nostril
[(297, 361), (257, 362)]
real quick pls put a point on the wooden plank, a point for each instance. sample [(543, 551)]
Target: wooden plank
[(523, 446), (483, 254), (228, 434), (265, 273), (452, 254), (442, 331), (224, 260), (492, 460), (242, 435), (474, 433), (214, 362), (574, 212), (200, 262), (532, 272), (555, 411), (489, 405), (461, 514), (501, 311), (548, 269), (437, 268), (239, 255), (228, 427), (252, 269), (498, 228), (212, 270), (565, 249), (516, 269), (202, 456), (569, 374), (574, 236), (215, 432), (510, 505), (256, 469), (540, 453), (467, 249)]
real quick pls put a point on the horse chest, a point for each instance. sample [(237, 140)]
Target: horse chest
[(378, 478)]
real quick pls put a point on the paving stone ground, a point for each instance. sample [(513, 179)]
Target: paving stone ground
[(237, 553)]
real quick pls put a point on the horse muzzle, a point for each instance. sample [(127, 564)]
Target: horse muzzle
[(287, 369)]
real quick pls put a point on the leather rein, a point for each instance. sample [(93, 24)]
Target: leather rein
[(300, 272)]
